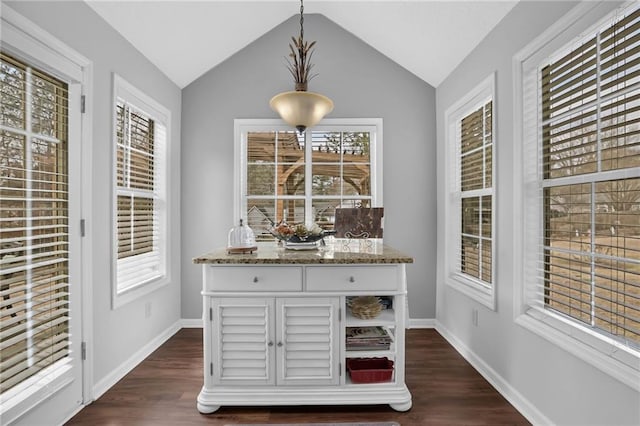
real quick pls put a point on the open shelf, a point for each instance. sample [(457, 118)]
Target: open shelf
[(389, 353), (386, 318), (390, 383)]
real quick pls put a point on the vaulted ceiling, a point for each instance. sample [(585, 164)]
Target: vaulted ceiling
[(185, 39)]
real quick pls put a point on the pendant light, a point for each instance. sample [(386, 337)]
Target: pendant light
[(299, 108)]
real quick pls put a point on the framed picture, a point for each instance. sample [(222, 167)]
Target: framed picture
[(359, 222)]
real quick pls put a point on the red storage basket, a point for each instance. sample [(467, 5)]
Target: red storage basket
[(370, 370)]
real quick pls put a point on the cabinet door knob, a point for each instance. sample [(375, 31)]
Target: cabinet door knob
[(255, 279), (352, 279), (279, 344), (270, 343)]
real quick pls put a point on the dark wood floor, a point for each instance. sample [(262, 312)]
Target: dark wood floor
[(162, 390)]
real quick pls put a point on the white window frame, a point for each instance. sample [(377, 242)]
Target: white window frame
[(604, 353), (125, 91), (474, 288), (243, 126)]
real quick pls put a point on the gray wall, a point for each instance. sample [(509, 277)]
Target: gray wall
[(556, 384), (117, 334), (362, 83)]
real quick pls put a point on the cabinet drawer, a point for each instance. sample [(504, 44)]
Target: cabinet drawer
[(351, 278), (254, 278)]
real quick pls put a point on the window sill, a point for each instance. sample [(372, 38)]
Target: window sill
[(472, 289), (23, 397), (612, 358), (122, 297)]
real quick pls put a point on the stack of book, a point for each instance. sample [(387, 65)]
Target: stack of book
[(367, 339)]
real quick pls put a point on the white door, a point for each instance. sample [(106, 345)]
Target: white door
[(242, 341), (40, 255), (307, 341)]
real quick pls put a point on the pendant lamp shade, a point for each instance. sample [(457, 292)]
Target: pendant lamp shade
[(301, 109)]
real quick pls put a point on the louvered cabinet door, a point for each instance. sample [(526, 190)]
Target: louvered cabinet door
[(307, 341), (243, 341)]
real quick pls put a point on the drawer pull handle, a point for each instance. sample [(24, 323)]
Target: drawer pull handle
[(279, 344), (255, 279), (352, 280)]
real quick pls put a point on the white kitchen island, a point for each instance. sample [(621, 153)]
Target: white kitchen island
[(275, 325)]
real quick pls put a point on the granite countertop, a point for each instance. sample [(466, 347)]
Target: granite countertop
[(336, 252)]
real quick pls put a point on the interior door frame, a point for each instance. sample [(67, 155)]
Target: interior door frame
[(35, 45)]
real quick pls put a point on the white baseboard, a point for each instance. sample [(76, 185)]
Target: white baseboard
[(191, 322), (118, 373), (421, 323), (73, 413), (526, 408)]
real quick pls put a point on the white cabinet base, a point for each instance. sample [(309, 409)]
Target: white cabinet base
[(398, 397), (276, 334)]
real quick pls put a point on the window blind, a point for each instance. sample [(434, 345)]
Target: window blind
[(138, 141), (475, 160), (590, 181), (34, 281)]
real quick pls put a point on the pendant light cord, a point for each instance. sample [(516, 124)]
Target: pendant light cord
[(301, 20)]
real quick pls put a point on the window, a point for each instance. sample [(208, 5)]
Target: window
[(303, 178), (470, 206), (33, 191), (140, 144), (581, 163), (35, 281)]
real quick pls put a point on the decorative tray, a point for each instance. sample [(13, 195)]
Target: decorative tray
[(311, 245)]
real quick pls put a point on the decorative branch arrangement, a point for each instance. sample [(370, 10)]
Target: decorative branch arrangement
[(301, 52), (300, 65)]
